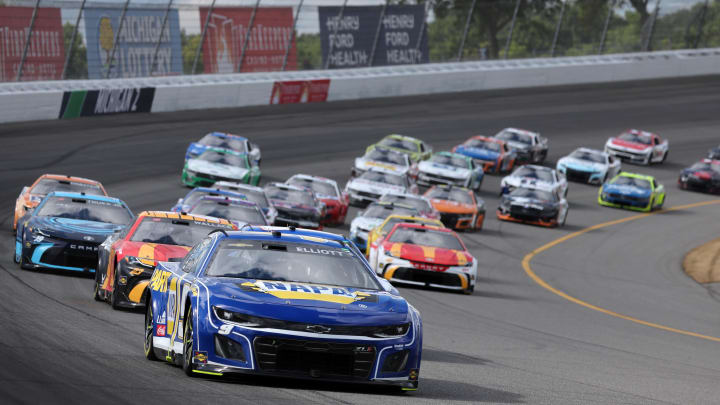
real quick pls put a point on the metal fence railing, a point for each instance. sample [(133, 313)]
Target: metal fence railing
[(98, 39)]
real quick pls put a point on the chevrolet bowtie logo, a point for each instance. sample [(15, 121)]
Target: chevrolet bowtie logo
[(318, 329)]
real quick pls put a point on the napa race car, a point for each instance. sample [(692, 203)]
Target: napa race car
[(126, 260), (534, 206), (377, 235), (459, 207), (386, 160), (451, 169), (327, 191), (365, 221), (252, 193), (31, 196), (419, 202), (588, 166), (65, 230), (296, 206), (185, 204), (536, 177), (219, 165), (371, 185), (632, 191), (422, 255), (492, 154), (223, 140), (638, 147), (239, 212), (282, 302), (529, 146), (416, 149), (701, 176)]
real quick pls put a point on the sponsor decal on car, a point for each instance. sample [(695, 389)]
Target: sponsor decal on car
[(302, 291), (160, 330)]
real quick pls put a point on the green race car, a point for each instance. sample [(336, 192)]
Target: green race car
[(632, 191), (216, 164), (416, 149)]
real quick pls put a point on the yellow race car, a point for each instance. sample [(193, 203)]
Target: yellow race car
[(376, 235)]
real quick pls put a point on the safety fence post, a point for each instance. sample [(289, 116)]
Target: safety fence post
[(557, 29), (465, 31), (162, 30), (377, 33), (611, 9), (512, 28), (27, 40), (335, 29), (292, 36), (202, 37), (115, 41)]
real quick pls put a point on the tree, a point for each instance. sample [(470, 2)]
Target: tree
[(640, 7), (77, 67), (309, 54), (190, 44)]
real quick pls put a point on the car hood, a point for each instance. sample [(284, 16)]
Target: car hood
[(628, 145), (529, 202), (477, 153), (366, 223), (443, 170), (373, 186), (75, 229), (216, 169), (427, 254), (518, 181), (627, 190), (452, 207), (366, 164), (282, 205), (579, 164), (153, 251)]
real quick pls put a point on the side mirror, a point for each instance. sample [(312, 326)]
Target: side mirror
[(387, 286)]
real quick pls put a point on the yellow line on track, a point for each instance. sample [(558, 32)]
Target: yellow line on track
[(544, 284)]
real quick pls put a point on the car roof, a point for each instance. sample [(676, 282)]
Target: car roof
[(640, 132), (590, 150), (287, 234), (288, 187), (85, 196), (538, 168), (178, 215), (313, 178), (387, 150), (227, 135), (403, 137), (453, 154), (226, 151), (72, 179), (405, 195), (485, 138), (214, 190), (391, 204), (238, 185), (520, 131), (422, 226)]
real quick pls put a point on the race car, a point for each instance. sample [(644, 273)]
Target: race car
[(251, 193), (289, 303), (219, 165), (536, 177), (632, 191), (31, 196), (534, 206), (327, 191), (223, 140), (588, 166), (420, 203), (127, 260), (638, 147), (65, 230), (416, 149), (184, 204), (493, 155), (386, 160), (423, 255), (377, 235), (371, 185), (714, 153), (459, 207), (451, 169), (296, 206), (529, 146), (239, 212), (701, 176), (365, 221)]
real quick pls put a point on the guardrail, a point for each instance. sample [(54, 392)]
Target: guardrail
[(29, 101)]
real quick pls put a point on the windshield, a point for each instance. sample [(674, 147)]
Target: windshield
[(168, 231), (426, 237), (631, 181), (453, 194), (532, 173), (319, 187), (314, 264), (400, 144), (387, 156), (419, 204), (383, 211), (450, 161), (224, 158), (636, 138), (86, 209), (194, 196), (704, 166), (45, 186), (230, 211), (224, 143), (482, 144), (595, 157), (301, 197), (392, 221), (256, 196), (380, 177), (513, 136), (533, 194)]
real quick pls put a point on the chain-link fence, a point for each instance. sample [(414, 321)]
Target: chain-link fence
[(96, 39)]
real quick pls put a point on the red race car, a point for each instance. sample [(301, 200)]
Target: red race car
[(327, 191), (638, 147)]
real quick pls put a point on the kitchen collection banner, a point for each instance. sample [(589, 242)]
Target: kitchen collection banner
[(266, 46), (135, 45), (46, 54), (347, 42), (301, 91)]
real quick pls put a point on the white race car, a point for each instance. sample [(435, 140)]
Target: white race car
[(451, 169), (372, 184), (529, 146), (365, 221), (638, 147), (534, 176), (419, 202), (384, 160), (252, 193), (588, 166)]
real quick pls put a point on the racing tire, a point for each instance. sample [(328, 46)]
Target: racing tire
[(469, 290), (188, 338), (148, 345), (664, 157), (114, 299), (564, 218), (96, 293)]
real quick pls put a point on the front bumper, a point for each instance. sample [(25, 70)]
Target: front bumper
[(462, 221), (60, 254), (581, 176), (626, 155), (625, 203), (527, 219)]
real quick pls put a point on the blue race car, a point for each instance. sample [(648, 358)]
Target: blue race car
[(282, 302), (224, 141), (186, 203), (65, 230), (492, 154)]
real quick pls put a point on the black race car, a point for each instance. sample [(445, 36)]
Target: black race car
[(701, 176), (296, 206), (534, 206)]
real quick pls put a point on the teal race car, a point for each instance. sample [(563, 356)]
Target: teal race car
[(632, 191), (215, 164)]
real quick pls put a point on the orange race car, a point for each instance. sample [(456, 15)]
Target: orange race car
[(459, 207), (31, 196)]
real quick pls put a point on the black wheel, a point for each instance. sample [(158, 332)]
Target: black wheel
[(149, 326), (96, 293), (664, 157), (114, 295), (188, 343)]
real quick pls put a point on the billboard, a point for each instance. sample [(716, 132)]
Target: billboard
[(136, 42), (46, 54), (86, 103), (266, 46), (348, 41), (301, 91)]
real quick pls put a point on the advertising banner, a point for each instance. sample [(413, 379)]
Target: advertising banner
[(266, 46), (304, 91), (136, 43), (46, 54), (85, 103), (348, 42)]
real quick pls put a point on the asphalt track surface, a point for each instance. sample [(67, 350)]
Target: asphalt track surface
[(512, 341)]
